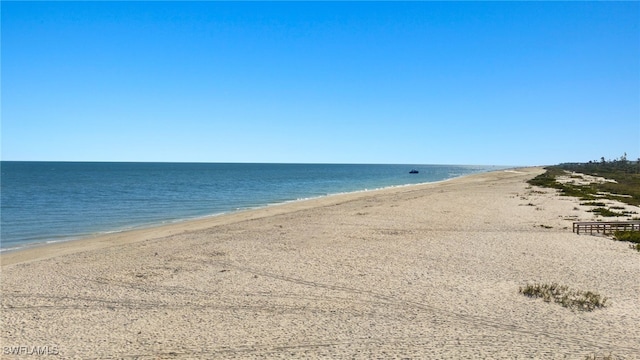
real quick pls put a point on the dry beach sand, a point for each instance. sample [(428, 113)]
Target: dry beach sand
[(427, 272)]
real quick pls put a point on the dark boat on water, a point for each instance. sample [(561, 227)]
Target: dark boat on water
[(413, 171)]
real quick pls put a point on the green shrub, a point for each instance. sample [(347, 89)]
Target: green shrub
[(593, 203), (605, 212), (631, 236)]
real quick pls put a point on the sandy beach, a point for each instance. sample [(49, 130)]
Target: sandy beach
[(428, 271)]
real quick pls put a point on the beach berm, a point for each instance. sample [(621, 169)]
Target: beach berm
[(430, 271)]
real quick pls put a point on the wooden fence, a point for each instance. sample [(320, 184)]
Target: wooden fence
[(605, 227)]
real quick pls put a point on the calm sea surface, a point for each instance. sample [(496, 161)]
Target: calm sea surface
[(55, 201)]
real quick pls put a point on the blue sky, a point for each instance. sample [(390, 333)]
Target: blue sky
[(498, 83)]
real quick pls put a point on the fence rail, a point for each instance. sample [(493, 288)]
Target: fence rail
[(604, 227)]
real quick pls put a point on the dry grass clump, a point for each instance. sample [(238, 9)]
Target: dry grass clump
[(561, 294)]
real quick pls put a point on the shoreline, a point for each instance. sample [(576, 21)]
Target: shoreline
[(107, 235), (423, 271), (44, 240)]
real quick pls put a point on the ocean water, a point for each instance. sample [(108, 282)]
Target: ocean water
[(55, 201)]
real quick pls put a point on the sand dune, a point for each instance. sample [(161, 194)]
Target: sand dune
[(428, 272)]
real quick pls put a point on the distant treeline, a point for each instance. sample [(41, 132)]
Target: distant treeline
[(604, 166)]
